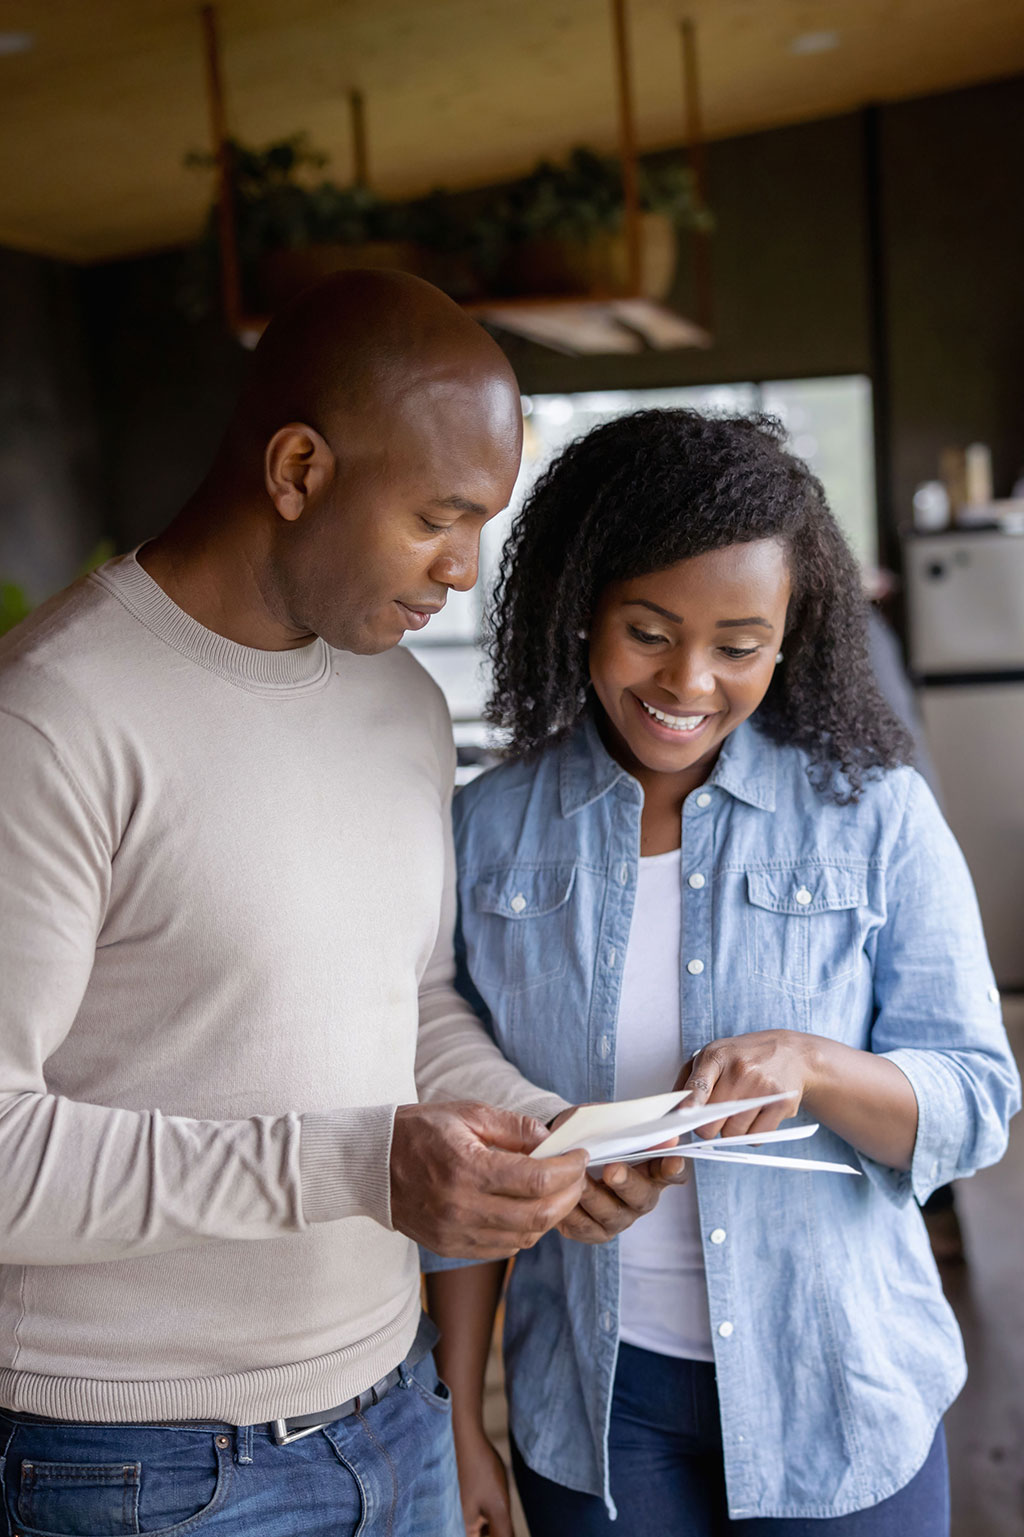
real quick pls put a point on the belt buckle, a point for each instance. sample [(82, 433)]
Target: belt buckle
[(284, 1437)]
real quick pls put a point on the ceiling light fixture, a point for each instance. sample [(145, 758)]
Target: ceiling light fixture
[(15, 42), (814, 42)]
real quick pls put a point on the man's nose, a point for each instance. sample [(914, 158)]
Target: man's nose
[(458, 566)]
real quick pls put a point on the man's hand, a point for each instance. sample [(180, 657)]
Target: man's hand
[(746, 1066), (624, 1192), (462, 1183)]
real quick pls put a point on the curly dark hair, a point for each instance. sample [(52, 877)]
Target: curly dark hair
[(642, 492)]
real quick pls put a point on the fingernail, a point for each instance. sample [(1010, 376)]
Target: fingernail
[(616, 1177)]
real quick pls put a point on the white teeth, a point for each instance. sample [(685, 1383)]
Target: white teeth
[(674, 722)]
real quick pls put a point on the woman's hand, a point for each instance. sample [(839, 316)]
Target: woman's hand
[(483, 1485), (866, 1100), (745, 1067)]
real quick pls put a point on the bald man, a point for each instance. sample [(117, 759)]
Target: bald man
[(226, 903)]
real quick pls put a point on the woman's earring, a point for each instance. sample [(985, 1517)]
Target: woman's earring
[(582, 634), (778, 659)]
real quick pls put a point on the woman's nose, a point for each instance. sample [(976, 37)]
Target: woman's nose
[(687, 675)]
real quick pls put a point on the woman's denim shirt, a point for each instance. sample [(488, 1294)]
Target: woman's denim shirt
[(835, 1350)]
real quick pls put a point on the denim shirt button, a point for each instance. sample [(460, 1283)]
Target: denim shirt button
[(718, 1235), (725, 1329), (623, 874), (604, 1046), (704, 799), (696, 881), (695, 968), (607, 1321), (517, 903), (804, 897), (993, 995)]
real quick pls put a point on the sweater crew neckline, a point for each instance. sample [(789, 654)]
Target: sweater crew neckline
[(301, 669)]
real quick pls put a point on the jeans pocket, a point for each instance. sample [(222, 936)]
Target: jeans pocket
[(75, 1499), (423, 1377), (64, 1481)]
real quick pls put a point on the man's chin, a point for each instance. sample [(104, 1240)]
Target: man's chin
[(373, 639)]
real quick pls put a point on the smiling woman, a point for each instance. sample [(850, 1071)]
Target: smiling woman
[(615, 516), (674, 674), (706, 866)]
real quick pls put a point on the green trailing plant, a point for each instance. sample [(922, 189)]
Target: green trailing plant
[(277, 203), (584, 196), (281, 201)]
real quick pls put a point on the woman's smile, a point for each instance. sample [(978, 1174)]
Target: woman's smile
[(677, 724)]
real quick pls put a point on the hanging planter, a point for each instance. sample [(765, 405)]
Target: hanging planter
[(565, 229), (577, 257), (292, 230), (559, 230), (593, 264)]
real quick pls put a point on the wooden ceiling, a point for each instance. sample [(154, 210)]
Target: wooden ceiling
[(96, 117)]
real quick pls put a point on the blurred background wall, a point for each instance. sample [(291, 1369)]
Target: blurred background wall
[(886, 242)]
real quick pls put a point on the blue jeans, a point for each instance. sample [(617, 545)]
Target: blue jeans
[(388, 1470), (667, 1475)]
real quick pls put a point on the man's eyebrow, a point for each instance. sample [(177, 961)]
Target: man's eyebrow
[(741, 624), (461, 504)]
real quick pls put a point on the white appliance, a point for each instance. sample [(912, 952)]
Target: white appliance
[(965, 594)]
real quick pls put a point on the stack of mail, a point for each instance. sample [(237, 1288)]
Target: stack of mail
[(630, 1130)]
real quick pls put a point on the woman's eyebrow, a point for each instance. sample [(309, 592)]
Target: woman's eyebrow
[(740, 624), (654, 607)]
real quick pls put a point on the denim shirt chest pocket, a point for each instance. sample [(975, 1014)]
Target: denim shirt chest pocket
[(520, 921), (806, 925)]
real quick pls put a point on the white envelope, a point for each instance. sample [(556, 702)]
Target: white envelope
[(723, 1156), (728, 1150), (607, 1132), (604, 1120)]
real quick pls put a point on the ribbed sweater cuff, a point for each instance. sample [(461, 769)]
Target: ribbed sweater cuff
[(543, 1106), (345, 1164)]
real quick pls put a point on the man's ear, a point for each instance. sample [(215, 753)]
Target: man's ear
[(298, 464)]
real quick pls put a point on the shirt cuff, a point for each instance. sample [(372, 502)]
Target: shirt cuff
[(940, 1124), (345, 1164)]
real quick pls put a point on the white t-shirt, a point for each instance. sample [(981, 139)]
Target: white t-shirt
[(663, 1302)]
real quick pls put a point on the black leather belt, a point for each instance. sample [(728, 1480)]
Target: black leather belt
[(299, 1425)]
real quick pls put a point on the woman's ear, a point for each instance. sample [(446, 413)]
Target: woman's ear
[(298, 464)]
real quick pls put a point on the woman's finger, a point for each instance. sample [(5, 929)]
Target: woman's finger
[(734, 1126), (705, 1071)]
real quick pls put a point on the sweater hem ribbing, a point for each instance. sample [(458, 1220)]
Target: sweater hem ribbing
[(235, 1398)]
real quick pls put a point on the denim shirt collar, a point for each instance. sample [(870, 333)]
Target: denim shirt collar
[(746, 768)]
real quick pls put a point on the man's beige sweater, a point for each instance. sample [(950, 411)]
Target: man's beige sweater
[(226, 901)]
